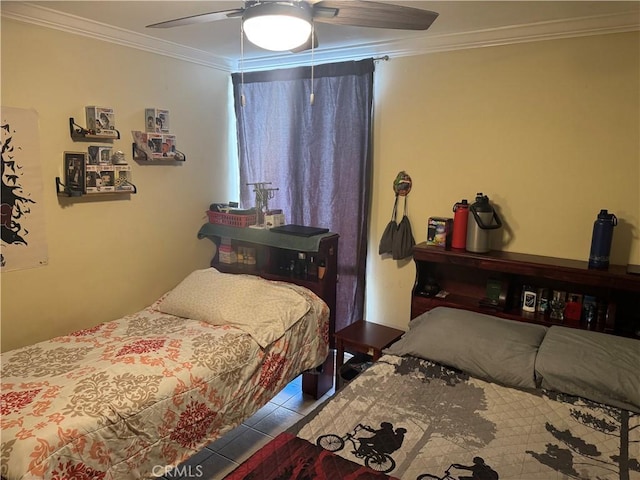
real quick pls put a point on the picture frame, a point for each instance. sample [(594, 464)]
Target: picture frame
[(75, 171)]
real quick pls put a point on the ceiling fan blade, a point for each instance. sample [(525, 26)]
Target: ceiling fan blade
[(360, 13), (200, 18), (307, 45)]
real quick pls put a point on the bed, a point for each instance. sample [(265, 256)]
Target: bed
[(464, 395), (136, 396)]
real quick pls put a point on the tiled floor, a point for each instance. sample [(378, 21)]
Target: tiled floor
[(222, 456)]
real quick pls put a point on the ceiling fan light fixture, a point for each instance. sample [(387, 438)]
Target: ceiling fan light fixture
[(278, 26)]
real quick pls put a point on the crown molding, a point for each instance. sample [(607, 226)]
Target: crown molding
[(429, 43), (46, 17), (424, 44)]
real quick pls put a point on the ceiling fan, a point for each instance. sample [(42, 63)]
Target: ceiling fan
[(287, 25)]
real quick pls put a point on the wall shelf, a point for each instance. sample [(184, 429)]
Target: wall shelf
[(63, 191), (81, 134), (465, 276), (142, 157)]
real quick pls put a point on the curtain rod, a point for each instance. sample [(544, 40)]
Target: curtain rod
[(384, 58)]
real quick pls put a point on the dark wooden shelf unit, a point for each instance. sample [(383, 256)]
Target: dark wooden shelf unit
[(465, 275), (274, 252)]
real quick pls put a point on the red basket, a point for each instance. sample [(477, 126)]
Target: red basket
[(232, 220)]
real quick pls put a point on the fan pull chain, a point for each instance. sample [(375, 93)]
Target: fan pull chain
[(243, 100), (312, 97)]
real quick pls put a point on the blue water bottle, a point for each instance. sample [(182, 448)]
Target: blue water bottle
[(601, 240)]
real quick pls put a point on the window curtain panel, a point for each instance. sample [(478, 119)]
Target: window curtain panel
[(318, 156)]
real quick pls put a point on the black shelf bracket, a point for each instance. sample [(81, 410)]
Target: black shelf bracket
[(135, 189), (79, 133), (65, 190)]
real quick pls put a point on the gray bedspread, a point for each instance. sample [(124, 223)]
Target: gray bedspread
[(414, 419)]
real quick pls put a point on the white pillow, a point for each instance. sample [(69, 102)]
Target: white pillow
[(261, 308)]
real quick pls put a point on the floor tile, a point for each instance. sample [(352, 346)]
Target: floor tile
[(189, 468), (226, 438), (277, 421), (216, 467), (260, 414), (301, 403), (286, 393), (243, 446)]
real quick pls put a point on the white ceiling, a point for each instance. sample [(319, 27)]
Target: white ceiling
[(461, 24)]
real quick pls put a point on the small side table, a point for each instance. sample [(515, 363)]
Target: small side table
[(363, 337)]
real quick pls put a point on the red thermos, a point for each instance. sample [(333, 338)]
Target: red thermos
[(460, 219)]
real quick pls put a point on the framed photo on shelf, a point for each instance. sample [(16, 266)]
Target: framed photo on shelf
[(75, 171)]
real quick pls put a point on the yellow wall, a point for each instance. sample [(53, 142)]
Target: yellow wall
[(549, 130), (111, 257)]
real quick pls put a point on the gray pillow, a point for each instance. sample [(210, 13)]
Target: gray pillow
[(601, 367), (484, 346)]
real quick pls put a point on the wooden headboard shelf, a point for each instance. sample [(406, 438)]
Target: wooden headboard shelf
[(465, 276), (274, 253)]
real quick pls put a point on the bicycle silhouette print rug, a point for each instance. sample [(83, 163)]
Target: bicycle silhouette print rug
[(412, 419), (290, 457)]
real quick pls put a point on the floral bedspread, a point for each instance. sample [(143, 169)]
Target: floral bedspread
[(132, 397)]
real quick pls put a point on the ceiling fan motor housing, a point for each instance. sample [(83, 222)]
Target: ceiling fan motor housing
[(278, 26)]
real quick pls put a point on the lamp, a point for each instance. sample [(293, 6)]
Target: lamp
[(278, 26)]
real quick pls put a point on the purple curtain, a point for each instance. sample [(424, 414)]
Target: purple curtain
[(318, 156)]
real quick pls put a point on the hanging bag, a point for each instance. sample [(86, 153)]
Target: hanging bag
[(386, 241), (403, 240)]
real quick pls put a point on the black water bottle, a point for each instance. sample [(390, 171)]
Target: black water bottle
[(601, 240)]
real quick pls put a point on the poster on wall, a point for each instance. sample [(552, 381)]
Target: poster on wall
[(24, 243)]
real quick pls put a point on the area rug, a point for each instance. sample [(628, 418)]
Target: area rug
[(292, 458)]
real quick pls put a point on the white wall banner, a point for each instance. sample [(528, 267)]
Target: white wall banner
[(24, 242)]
